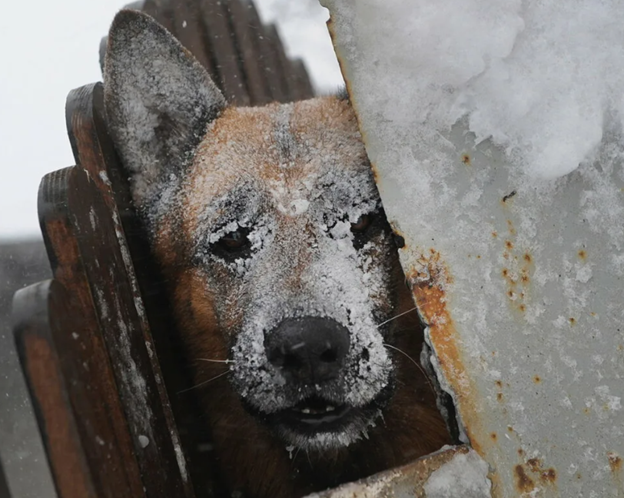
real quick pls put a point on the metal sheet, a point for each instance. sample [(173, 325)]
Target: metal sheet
[(429, 477), (519, 280)]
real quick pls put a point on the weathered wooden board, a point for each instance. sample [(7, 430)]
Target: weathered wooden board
[(107, 397)]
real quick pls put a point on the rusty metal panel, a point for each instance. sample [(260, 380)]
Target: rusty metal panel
[(519, 279)]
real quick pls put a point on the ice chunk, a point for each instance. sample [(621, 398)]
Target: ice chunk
[(541, 78), (465, 475)]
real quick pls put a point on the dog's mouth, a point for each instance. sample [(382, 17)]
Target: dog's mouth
[(321, 423), (315, 414)]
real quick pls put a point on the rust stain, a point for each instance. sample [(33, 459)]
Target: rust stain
[(494, 436), (465, 158), (521, 452), (494, 234), (499, 396), (537, 379), (534, 464), (615, 462), (499, 384), (582, 254), (547, 476), (430, 281), (572, 321), (524, 483), (510, 227), (516, 274)]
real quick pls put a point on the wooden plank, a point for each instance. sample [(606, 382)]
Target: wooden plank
[(39, 311), (247, 32), (264, 52), (227, 59), (299, 81), (161, 11), (189, 30), (279, 63), (4, 486), (117, 300), (189, 417), (85, 364)]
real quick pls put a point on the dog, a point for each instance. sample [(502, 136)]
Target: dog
[(282, 269)]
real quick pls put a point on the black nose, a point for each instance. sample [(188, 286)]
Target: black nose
[(309, 350)]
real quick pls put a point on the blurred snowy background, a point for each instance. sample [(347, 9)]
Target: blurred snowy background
[(47, 49)]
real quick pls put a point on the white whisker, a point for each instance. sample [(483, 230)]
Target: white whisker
[(413, 361), (205, 382), (395, 317), (215, 361)]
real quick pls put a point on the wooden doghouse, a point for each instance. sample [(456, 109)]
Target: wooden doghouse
[(94, 342)]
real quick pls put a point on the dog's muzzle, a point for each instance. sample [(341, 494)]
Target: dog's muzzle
[(308, 351)]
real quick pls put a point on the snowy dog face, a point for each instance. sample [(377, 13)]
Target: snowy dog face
[(269, 223), (290, 239)]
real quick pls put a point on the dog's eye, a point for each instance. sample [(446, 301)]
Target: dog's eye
[(235, 241), (362, 223)]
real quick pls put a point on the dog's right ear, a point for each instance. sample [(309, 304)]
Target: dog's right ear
[(159, 101)]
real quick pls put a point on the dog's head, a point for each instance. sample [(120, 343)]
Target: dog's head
[(269, 225)]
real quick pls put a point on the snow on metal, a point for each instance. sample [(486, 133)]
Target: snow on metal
[(514, 243), (450, 473)]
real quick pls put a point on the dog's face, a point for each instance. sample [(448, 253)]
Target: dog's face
[(292, 248), (270, 227)]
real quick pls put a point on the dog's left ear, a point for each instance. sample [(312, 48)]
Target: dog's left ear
[(159, 101)]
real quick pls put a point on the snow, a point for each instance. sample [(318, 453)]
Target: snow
[(143, 441), (542, 79), (465, 475)]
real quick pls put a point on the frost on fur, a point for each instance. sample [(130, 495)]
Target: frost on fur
[(158, 100)]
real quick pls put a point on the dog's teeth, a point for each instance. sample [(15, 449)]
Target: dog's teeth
[(306, 411), (329, 408)]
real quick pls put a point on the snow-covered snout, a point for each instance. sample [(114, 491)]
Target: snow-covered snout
[(311, 287)]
